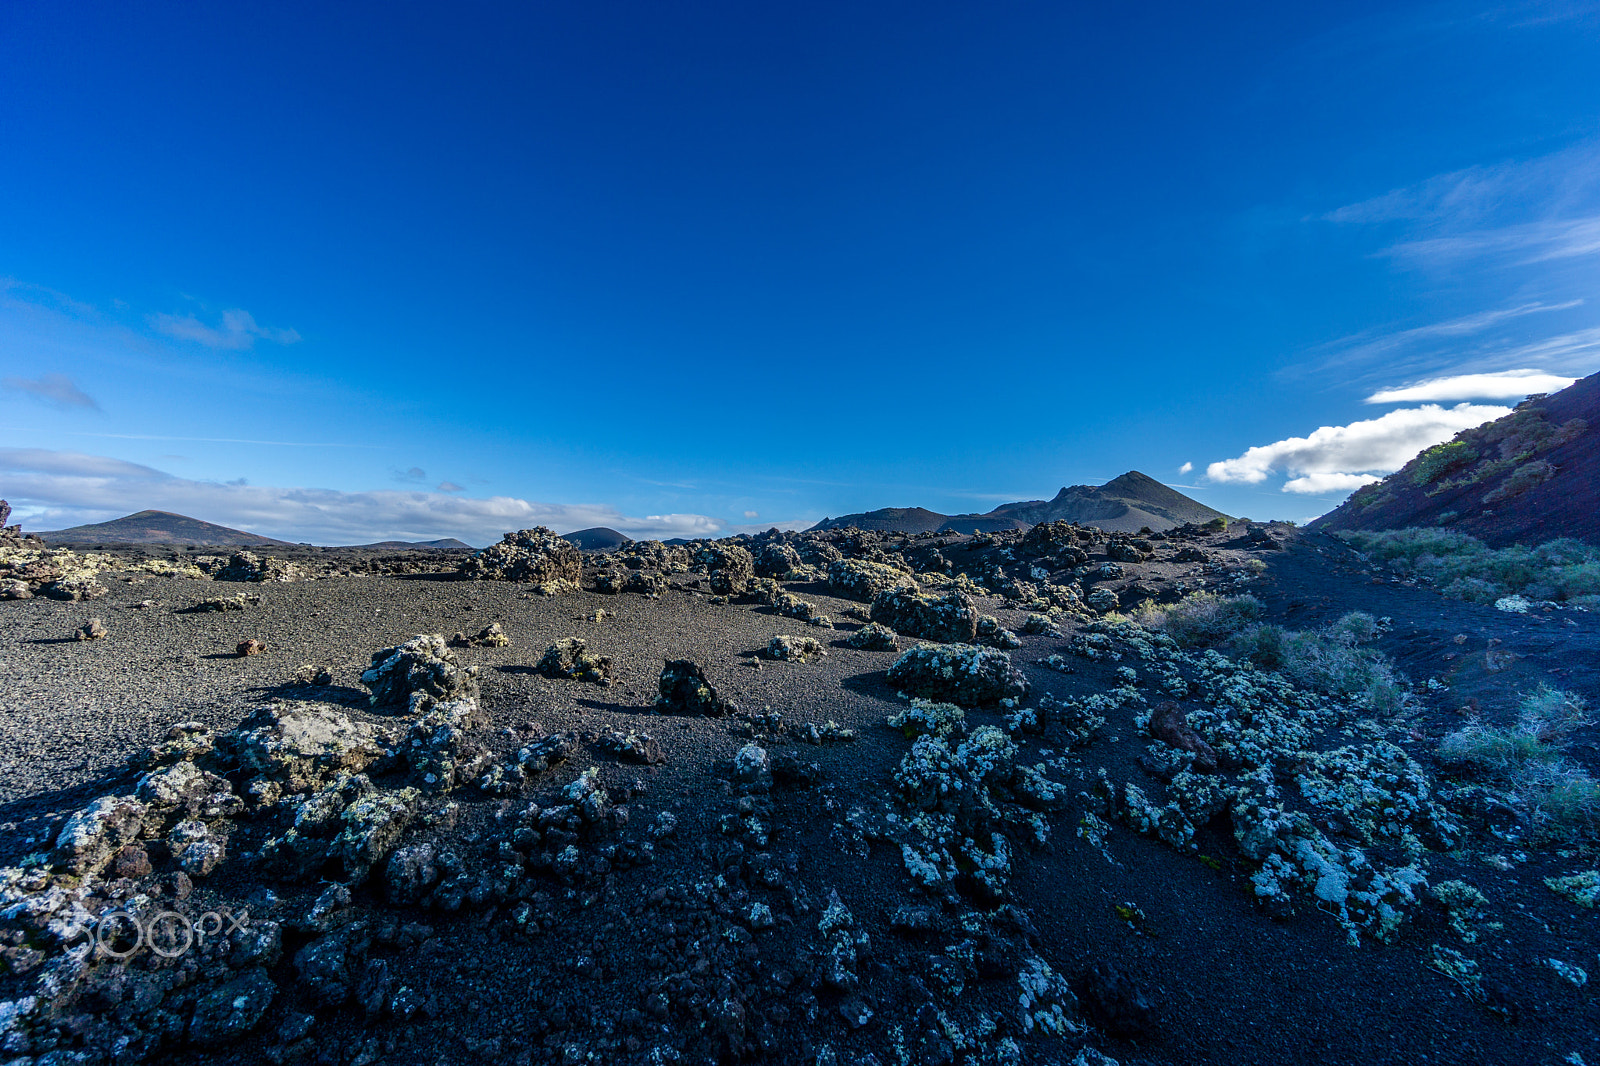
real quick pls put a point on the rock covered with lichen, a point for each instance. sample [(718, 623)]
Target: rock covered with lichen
[(730, 567), (963, 674), (775, 559), (248, 566), (297, 747), (862, 579), (552, 564), (950, 619), (874, 636), (417, 673), (570, 659), (684, 689), (789, 649), (492, 635)]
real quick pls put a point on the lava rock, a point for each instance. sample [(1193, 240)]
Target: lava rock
[(963, 674), (569, 659), (224, 1015), (537, 555), (950, 619), (1170, 725), (684, 689), (418, 673)]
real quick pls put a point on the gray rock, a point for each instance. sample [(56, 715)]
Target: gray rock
[(93, 835), (569, 659), (950, 619), (302, 748), (684, 689), (224, 1015), (417, 673), (538, 556), (197, 848)]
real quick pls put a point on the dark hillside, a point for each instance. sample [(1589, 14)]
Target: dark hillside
[(1529, 477)]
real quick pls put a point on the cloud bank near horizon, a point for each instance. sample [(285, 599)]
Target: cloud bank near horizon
[(1343, 458), (57, 489)]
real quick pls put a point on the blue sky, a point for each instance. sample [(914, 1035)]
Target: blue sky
[(334, 272)]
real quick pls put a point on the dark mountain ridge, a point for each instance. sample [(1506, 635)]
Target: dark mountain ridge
[(1124, 504), (160, 527)]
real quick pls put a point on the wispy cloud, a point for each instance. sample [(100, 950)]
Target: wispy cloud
[(1499, 385), (1346, 457), (1185, 468), (227, 440), (54, 489), (1526, 244), (414, 476), (237, 330), (57, 390), (448, 486)]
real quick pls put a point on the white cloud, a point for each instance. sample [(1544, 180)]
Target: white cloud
[(1334, 456), (55, 489), (57, 390), (1497, 385), (1316, 484), (1185, 468), (238, 330), (751, 514)]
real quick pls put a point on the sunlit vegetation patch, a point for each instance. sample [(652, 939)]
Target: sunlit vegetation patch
[(1465, 568)]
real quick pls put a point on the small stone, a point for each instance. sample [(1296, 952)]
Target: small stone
[(94, 629)]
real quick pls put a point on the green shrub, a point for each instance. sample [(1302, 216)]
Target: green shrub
[(1328, 663), (1467, 569), (1261, 644), (1200, 618), (1529, 761), (1441, 459)]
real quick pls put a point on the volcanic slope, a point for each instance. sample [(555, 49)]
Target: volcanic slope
[(1529, 477), (159, 527), (1125, 504)]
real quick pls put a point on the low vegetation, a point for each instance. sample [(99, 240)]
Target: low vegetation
[(1335, 659), (1441, 459), (1465, 568), (1529, 762)]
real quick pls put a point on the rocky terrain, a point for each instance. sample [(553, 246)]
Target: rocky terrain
[(1217, 793), (1531, 476), (1125, 504)]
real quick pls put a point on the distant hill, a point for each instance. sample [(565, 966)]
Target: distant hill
[(597, 539), (1123, 505), (1529, 477), (160, 527), (449, 544)]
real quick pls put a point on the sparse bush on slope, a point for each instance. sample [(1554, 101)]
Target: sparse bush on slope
[(1467, 569), (1200, 618), (1529, 761)]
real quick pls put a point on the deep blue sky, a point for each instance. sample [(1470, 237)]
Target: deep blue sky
[(763, 263)]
